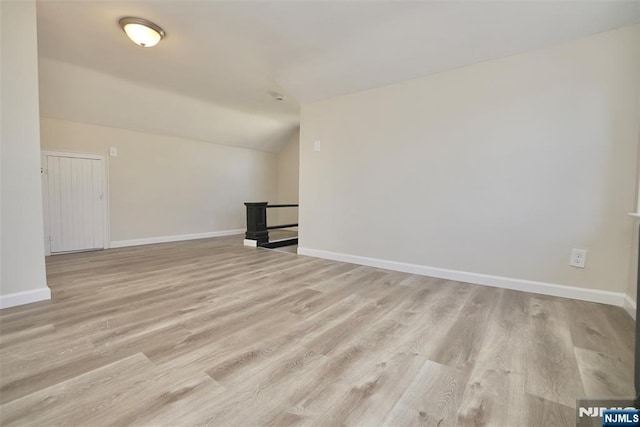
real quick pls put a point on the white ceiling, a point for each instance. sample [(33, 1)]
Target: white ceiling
[(234, 53)]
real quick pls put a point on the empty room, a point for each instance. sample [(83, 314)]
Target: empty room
[(331, 213)]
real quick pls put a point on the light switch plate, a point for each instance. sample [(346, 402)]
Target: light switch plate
[(113, 151)]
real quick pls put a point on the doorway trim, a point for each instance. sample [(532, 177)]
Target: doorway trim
[(105, 190)]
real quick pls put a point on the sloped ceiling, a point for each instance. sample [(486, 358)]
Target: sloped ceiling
[(232, 55)]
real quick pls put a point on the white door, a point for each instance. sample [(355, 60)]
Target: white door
[(74, 203)]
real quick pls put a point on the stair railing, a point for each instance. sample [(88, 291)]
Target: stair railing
[(257, 228)]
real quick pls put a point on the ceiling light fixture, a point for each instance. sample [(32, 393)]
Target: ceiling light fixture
[(142, 32)]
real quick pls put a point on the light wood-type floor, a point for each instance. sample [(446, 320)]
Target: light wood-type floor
[(209, 332)]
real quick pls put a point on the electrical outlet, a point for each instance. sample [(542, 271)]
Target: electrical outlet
[(316, 145), (578, 258)]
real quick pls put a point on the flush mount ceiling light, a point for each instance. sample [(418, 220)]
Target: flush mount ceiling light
[(142, 32)]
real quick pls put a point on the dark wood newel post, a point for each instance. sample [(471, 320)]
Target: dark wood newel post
[(257, 222)]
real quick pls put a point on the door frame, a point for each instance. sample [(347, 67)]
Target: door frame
[(105, 190)]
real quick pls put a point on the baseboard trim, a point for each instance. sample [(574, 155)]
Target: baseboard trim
[(629, 306), (618, 299), (178, 238), (26, 297)]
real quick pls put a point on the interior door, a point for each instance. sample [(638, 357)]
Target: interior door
[(74, 203)]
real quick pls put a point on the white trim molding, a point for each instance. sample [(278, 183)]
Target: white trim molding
[(59, 153), (177, 238), (618, 299), (629, 306), (25, 297)]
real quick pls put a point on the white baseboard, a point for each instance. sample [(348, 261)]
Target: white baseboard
[(629, 306), (26, 297), (593, 295), (178, 238)]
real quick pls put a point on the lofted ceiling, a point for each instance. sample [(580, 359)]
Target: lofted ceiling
[(233, 54)]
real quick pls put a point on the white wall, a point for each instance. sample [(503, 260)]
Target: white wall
[(633, 267), (168, 186), (22, 276), (499, 168), (79, 94), (632, 288), (288, 178)]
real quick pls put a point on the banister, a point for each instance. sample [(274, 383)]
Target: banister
[(273, 227), (257, 228), (283, 206)]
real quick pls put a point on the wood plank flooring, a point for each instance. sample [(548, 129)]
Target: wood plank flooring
[(209, 332)]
